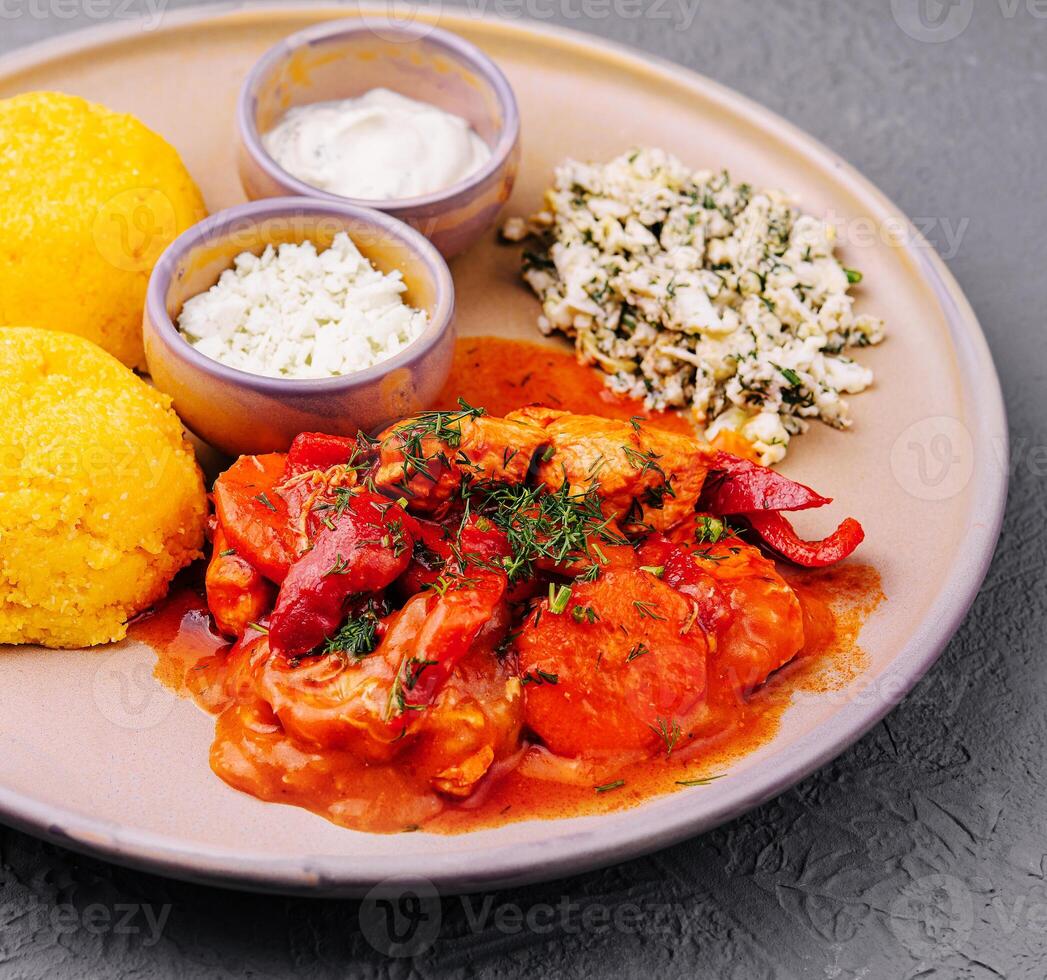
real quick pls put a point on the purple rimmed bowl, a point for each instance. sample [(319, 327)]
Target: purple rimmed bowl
[(347, 58), (240, 413)]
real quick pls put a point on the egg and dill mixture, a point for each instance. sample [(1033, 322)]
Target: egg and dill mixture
[(689, 290)]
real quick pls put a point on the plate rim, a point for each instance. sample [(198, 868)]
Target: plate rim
[(496, 865)]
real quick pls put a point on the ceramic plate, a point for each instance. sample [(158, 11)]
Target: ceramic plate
[(99, 757)]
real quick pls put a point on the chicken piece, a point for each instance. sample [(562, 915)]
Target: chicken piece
[(371, 702), (646, 477), (237, 593), (475, 719), (752, 613), (425, 458), (623, 674)]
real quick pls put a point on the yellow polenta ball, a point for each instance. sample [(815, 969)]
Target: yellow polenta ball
[(89, 199), (101, 498)]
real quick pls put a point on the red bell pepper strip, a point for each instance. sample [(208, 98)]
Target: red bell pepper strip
[(778, 534), (739, 486), (366, 547), (451, 625), (479, 544), (318, 451)]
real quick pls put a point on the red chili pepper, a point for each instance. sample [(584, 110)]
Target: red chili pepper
[(777, 533), (368, 546), (318, 451), (739, 486)]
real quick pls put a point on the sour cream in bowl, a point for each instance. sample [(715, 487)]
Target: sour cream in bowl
[(380, 146), (406, 118)]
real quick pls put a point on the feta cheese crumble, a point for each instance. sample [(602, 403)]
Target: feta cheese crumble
[(691, 291), (294, 313)]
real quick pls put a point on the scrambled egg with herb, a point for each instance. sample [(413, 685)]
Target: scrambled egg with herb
[(89, 199), (689, 290), (101, 500)]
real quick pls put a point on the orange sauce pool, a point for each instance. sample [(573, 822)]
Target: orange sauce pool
[(253, 754), (502, 375)]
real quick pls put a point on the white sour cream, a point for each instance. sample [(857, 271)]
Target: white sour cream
[(379, 146)]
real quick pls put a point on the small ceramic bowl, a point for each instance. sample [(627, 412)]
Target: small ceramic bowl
[(347, 58), (237, 412)]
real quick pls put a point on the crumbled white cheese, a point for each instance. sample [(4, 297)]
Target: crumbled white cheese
[(294, 313), (688, 290)]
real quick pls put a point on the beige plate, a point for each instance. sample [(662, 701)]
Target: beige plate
[(97, 756)]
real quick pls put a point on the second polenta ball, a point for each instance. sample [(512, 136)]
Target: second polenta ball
[(89, 199), (101, 499)]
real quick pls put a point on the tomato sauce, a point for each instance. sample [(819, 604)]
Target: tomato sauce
[(503, 375), (252, 753)]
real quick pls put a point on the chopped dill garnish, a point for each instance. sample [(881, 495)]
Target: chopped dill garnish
[(669, 732), (227, 552), (358, 636), (540, 677), (340, 567), (342, 498), (656, 570), (647, 610), (414, 669), (265, 501), (451, 583), (644, 461), (444, 427), (640, 650), (607, 787), (702, 781), (556, 527)]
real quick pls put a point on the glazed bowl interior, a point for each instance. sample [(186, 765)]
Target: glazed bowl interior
[(342, 61)]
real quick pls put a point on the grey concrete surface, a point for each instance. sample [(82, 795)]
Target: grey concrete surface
[(922, 851)]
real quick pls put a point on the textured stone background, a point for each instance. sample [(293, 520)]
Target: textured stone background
[(922, 851)]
